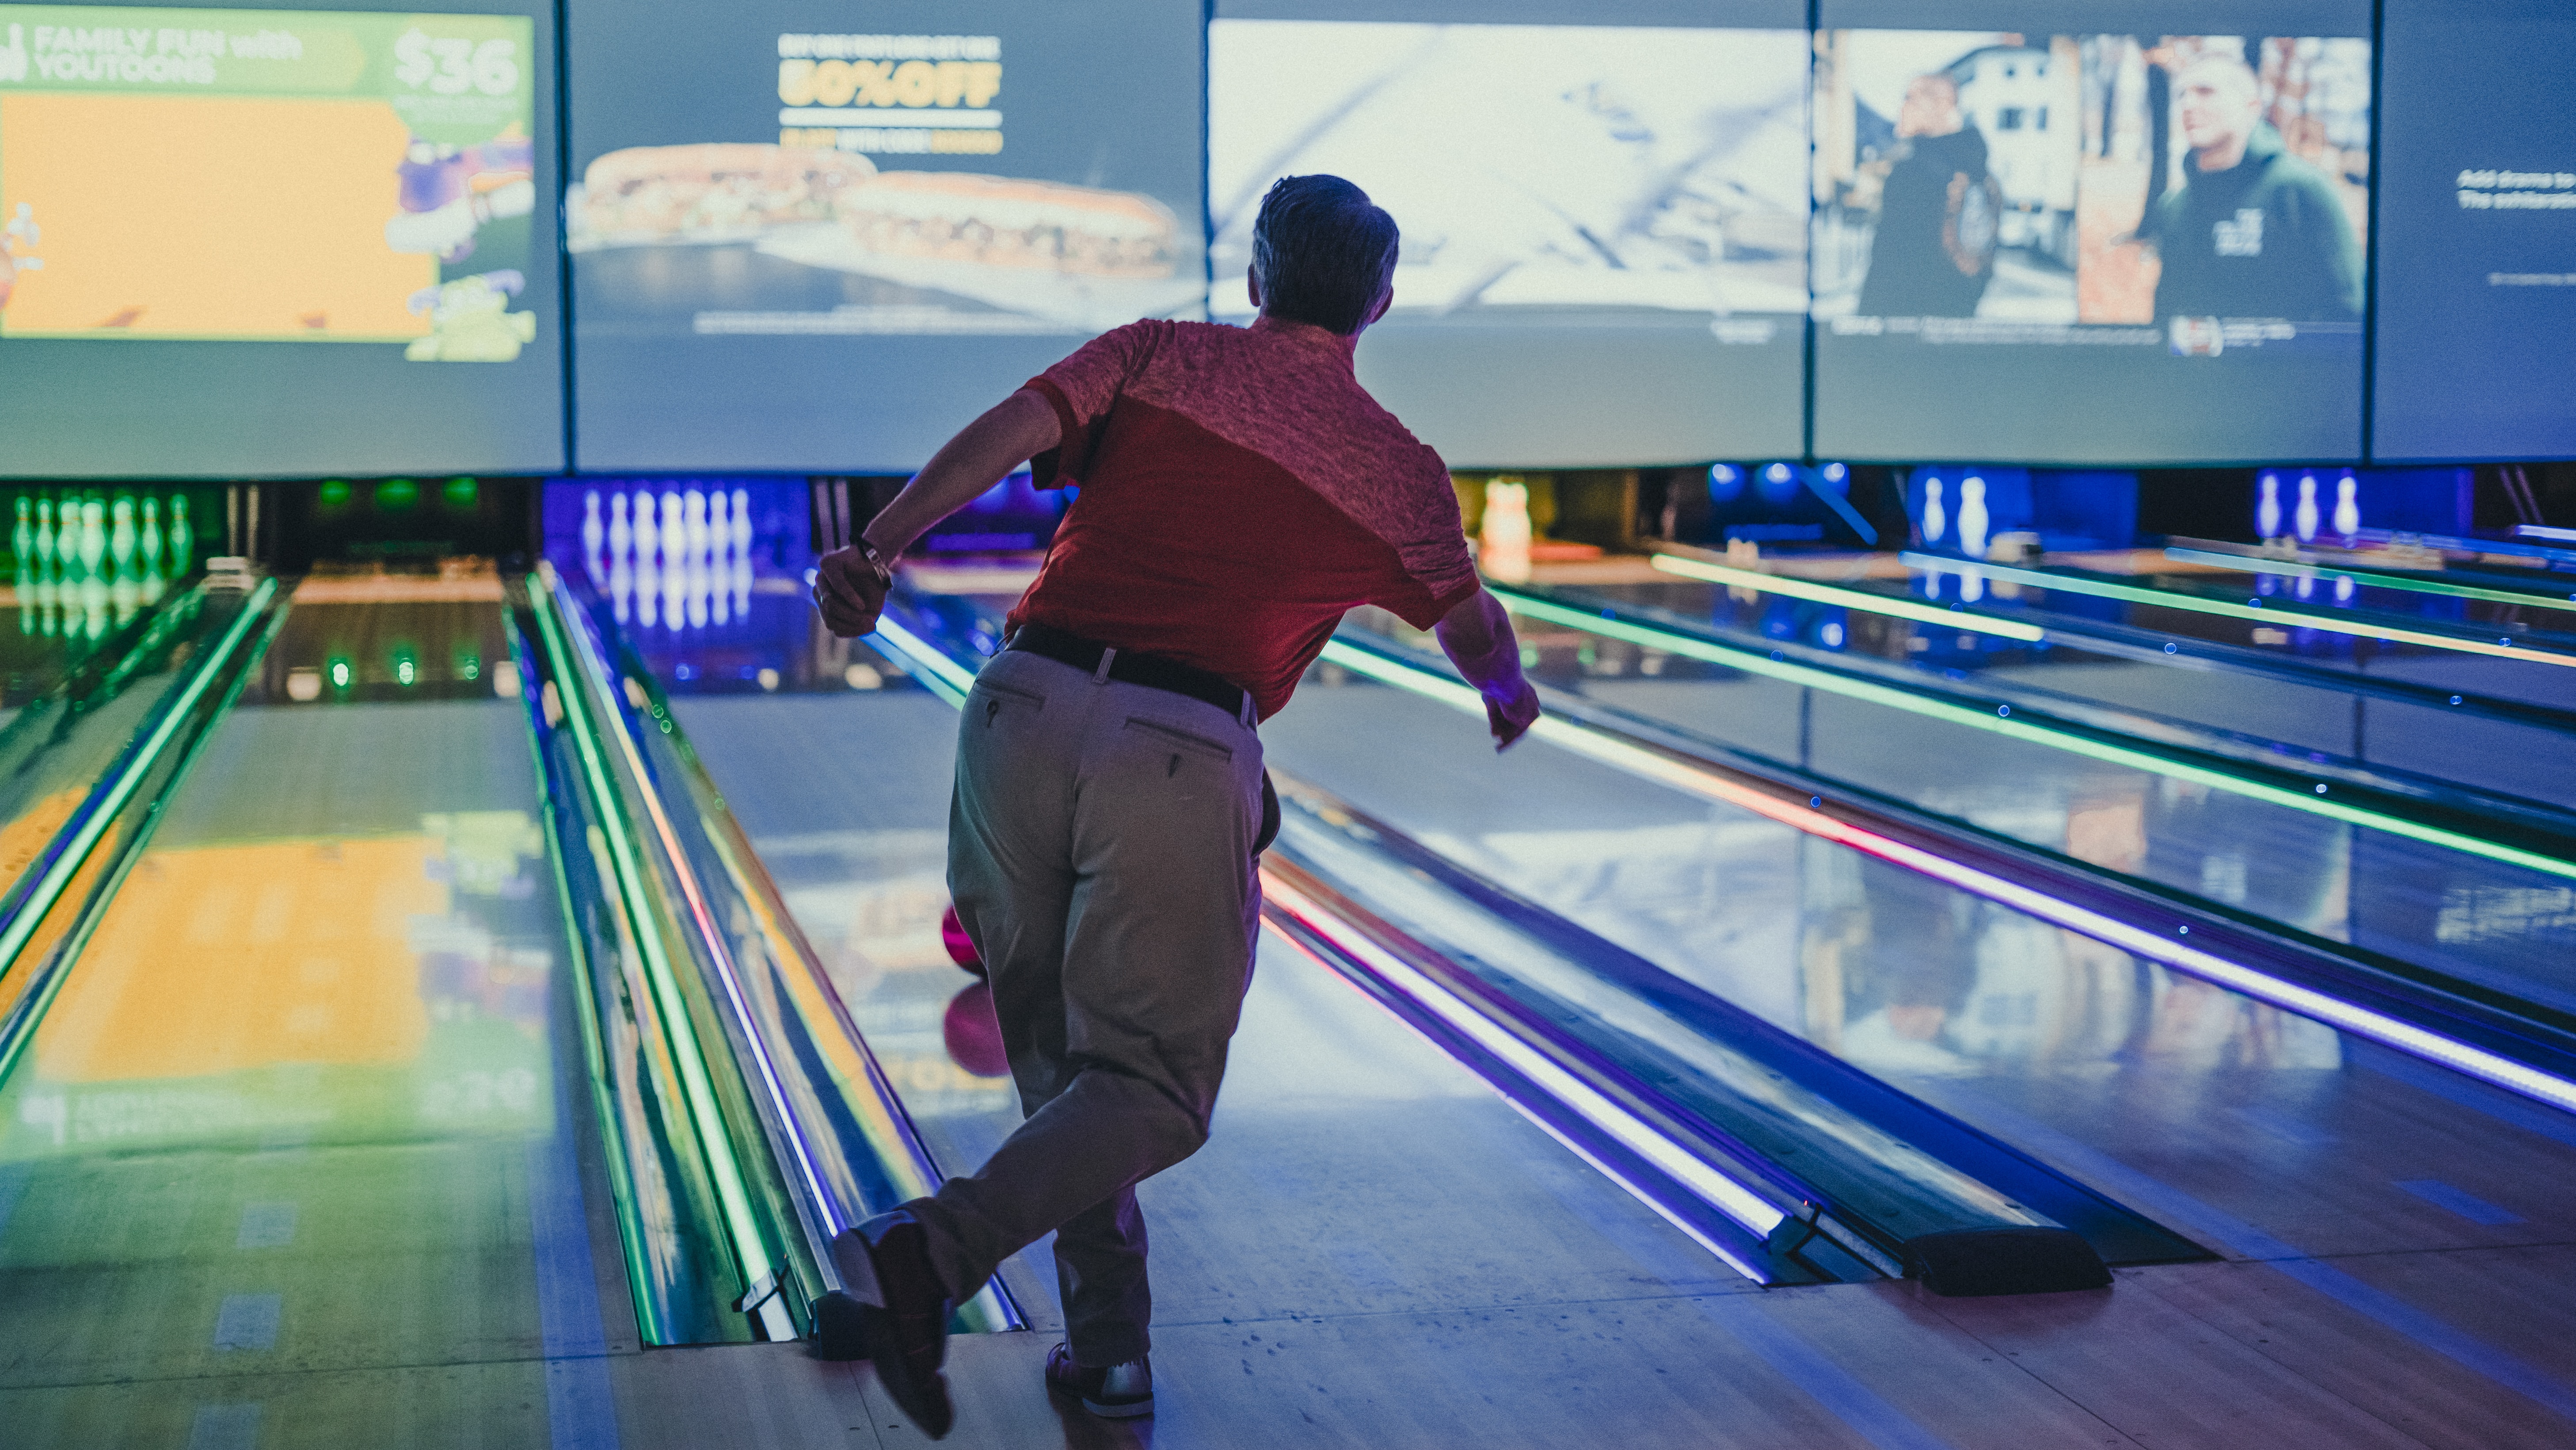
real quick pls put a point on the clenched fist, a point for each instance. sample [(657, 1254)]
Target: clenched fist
[(850, 588)]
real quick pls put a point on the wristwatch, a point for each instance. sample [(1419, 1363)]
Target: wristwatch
[(876, 561)]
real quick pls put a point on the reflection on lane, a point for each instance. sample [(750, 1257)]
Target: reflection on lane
[(1962, 1001), (295, 1106)]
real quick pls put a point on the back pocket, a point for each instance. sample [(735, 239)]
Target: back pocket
[(996, 696), (1179, 739)]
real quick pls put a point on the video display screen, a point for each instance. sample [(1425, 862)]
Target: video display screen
[(1603, 213), (836, 234), (276, 242), (2136, 245), (2477, 213)]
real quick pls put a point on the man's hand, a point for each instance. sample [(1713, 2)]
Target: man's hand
[(1511, 717), (850, 592), (1477, 636), (848, 589)]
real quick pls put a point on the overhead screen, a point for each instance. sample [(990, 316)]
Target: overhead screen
[(822, 238), (2476, 345), (2133, 231), (1602, 205), (277, 242)]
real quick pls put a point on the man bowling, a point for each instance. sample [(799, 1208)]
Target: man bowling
[(1239, 493)]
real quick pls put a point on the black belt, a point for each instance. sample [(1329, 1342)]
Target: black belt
[(1152, 671)]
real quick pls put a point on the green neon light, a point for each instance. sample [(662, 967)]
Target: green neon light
[(2198, 605), (1754, 662), (697, 1085), (2367, 577), (621, 1179), (67, 863), (1860, 599)]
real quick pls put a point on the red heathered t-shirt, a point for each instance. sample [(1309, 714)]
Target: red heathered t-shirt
[(1240, 491)]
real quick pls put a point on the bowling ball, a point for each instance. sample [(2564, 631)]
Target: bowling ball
[(961, 947), (974, 1038)]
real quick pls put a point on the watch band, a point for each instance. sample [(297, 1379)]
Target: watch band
[(876, 561)]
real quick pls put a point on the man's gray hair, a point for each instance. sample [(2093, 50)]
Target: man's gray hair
[(1323, 251)]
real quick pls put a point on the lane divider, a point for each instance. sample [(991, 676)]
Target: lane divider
[(2317, 800)]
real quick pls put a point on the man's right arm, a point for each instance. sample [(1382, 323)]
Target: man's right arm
[(1021, 426), (1477, 636)]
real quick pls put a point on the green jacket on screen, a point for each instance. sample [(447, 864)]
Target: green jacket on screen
[(2265, 238)]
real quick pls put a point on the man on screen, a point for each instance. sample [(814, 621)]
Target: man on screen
[(1933, 252), (2253, 231), (1239, 493)]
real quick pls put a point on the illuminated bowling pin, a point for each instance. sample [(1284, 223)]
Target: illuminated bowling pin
[(742, 552), (693, 535), (720, 562), (1972, 517), (593, 533), (675, 567), (120, 538), (45, 566), (2306, 517), (183, 537), (2267, 509), (1936, 519), (150, 538), (2343, 589), (24, 537), (648, 537), (621, 567), (93, 540), (1972, 587), (621, 539), (2347, 513)]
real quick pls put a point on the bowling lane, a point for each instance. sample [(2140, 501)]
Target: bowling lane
[(1336, 1123), (2314, 661), (2500, 925), (306, 1109), (2255, 1115)]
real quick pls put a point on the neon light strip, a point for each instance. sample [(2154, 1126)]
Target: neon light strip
[(2314, 802), (66, 864), (1631, 1132), (2331, 624), (2366, 578), (946, 678), (695, 896), (1860, 599), (1636, 759), (696, 1083)]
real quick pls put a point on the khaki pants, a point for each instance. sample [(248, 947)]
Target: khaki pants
[(1100, 848)]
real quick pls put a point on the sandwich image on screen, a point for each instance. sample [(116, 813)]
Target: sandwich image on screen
[(1535, 170), (925, 251), (1997, 187), (267, 176)]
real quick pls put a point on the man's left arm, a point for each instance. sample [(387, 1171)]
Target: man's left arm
[(850, 586)]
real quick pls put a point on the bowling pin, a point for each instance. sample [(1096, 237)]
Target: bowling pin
[(1936, 519), (150, 538), (22, 539), (25, 539), (694, 537), (93, 541), (120, 538), (2344, 589), (2347, 513), (742, 552), (648, 537), (2306, 517), (621, 539), (2267, 510), (1972, 587), (593, 533), (720, 562), (183, 538), (1972, 517)]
